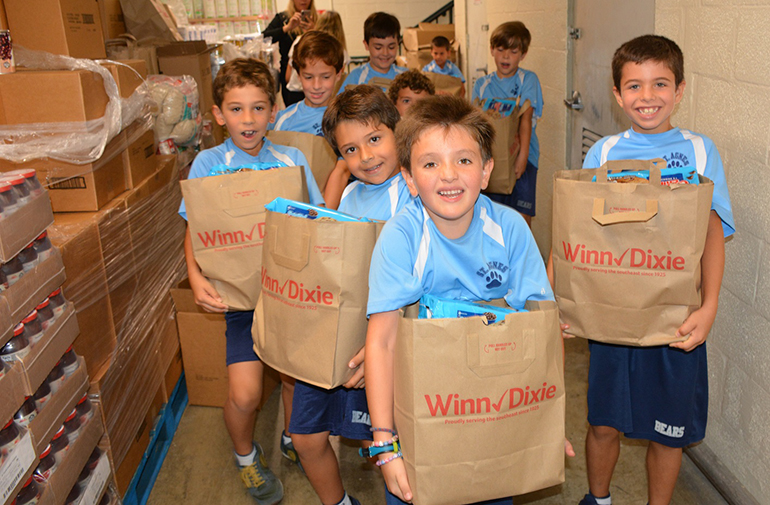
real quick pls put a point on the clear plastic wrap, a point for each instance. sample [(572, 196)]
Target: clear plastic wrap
[(176, 111), (140, 254), (71, 142)]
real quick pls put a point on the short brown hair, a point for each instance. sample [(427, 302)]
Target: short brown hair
[(511, 35), (363, 103), (648, 48), (242, 72), (440, 41), (412, 79), (317, 45), (381, 25), (444, 112)]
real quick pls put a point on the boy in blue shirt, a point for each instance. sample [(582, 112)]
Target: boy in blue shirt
[(450, 241), (440, 49), (382, 32), (318, 59), (409, 87), (670, 411), (509, 44), (244, 94), (359, 125)]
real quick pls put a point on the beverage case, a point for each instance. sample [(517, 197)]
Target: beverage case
[(480, 408), (226, 219), (627, 256)]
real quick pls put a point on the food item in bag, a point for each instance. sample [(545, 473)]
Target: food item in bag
[(307, 211), (262, 165), (433, 307), (668, 176)]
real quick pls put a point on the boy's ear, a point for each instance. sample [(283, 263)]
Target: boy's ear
[(220, 119), (679, 92), (486, 172), (273, 113), (618, 96), (366, 46), (409, 181)]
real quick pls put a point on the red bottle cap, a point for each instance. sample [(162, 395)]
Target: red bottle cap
[(42, 304), (30, 317), (18, 329)]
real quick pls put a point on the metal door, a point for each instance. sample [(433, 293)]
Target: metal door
[(597, 29)]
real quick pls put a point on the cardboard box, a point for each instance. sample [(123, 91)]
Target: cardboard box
[(128, 74), (418, 59), (43, 356), (12, 390), (69, 27), (48, 420), (17, 468), (125, 470), (190, 58), (51, 96), (19, 300), (420, 37), (19, 229), (139, 159), (101, 476), (77, 237), (113, 24)]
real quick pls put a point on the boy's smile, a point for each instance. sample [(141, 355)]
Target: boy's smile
[(382, 53), (318, 81), (448, 174), (246, 111), (648, 95), (369, 150), (507, 61)]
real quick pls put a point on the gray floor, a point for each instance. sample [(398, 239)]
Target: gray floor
[(199, 468)]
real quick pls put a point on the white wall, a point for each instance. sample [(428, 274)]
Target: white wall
[(726, 50)]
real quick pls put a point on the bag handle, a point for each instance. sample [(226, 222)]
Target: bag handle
[(654, 165), (295, 260), (521, 362), (633, 216)]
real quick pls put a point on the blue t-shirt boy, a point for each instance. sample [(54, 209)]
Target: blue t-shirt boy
[(449, 69), (365, 73), (376, 201)]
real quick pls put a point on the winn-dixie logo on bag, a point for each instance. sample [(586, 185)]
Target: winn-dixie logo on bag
[(632, 257), (512, 402), (297, 291), (233, 239)]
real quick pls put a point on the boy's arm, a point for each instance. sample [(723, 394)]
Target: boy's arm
[(336, 184), (525, 135), (698, 325), (205, 294), (380, 349)]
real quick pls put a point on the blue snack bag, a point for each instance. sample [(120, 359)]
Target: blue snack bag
[(433, 307), (668, 176), (307, 211), (224, 169)]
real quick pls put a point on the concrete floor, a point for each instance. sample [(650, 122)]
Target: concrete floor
[(199, 468)]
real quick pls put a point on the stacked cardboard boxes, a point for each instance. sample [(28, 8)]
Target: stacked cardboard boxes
[(417, 43)]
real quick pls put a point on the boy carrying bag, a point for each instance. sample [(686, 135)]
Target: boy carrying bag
[(480, 408), (627, 256), (311, 317), (226, 216)]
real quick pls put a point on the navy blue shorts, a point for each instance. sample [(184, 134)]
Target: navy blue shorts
[(524, 192), (340, 411), (391, 499), (653, 393), (240, 346)]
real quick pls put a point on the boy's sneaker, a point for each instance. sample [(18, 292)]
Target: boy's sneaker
[(262, 484), (590, 499), (289, 452), (353, 501)]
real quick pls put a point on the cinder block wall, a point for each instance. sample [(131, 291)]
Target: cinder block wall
[(727, 69), (547, 57)]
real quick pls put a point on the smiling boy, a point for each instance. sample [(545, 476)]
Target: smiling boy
[(437, 245), (381, 38)]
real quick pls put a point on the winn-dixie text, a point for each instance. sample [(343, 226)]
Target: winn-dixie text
[(453, 404), (636, 258), (297, 291), (218, 238)]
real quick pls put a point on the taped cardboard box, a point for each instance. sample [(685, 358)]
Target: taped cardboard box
[(19, 229), (420, 37), (70, 27), (51, 96)]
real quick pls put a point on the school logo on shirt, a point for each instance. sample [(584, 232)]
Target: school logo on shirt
[(318, 130), (676, 160), (493, 274)]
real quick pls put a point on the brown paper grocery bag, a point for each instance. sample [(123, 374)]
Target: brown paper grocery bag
[(445, 83), (506, 148), (226, 218), (627, 256), (320, 155), (480, 409), (311, 317)]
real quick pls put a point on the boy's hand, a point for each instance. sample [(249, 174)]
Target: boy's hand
[(563, 334), (205, 295), (394, 474), (697, 326), (568, 449), (519, 167), (357, 381)]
